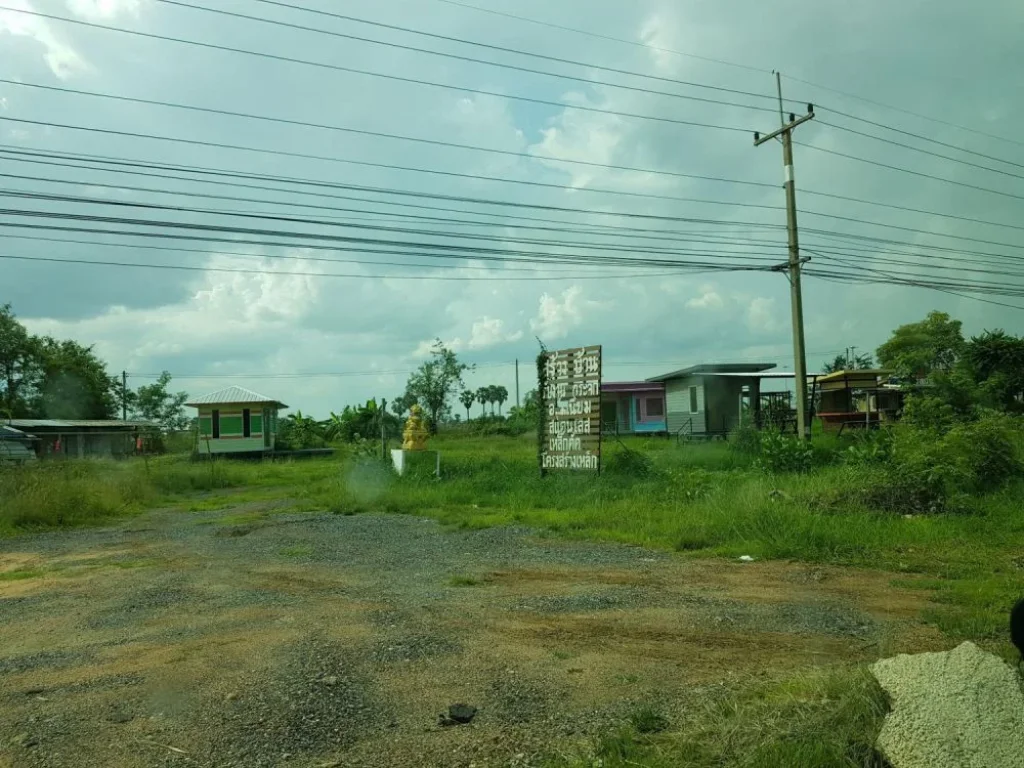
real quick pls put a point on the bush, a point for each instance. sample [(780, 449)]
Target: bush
[(780, 453), (745, 440), (629, 463), (929, 471)]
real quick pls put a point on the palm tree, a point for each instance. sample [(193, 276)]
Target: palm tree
[(467, 398), (483, 397), (845, 363), (501, 395)]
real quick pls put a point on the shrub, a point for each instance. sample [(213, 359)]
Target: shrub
[(629, 463), (745, 440), (780, 453), (870, 447)]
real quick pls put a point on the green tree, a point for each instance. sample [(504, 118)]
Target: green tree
[(995, 363), (20, 366), (923, 350), (500, 396), (437, 380), (483, 397), (153, 402), (401, 405), (74, 383), (467, 398), (844, 363)]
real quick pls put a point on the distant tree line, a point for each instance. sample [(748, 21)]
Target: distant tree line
[(46, 378)]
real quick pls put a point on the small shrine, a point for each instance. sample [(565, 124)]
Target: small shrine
[(413, 456)]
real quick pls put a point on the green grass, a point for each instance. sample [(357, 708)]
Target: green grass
[(823, 719), (701, 498), (462, 580), (19, 575), (298, 550)]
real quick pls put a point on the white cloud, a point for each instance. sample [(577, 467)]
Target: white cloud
[(103, 10), (709, 299), (764, 316), (556, 318), (486, 332), (62, 59)]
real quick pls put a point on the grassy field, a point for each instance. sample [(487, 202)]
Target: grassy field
[(703, 500), (706, 499)]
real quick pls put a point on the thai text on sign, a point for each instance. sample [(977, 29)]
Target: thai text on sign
[(571, 399)]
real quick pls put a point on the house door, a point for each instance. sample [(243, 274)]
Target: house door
[(266, 427)]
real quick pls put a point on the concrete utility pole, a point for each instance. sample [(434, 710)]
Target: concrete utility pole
[(792, 267), (517, 382), (124, 395)]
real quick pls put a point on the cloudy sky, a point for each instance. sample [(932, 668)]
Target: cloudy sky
[(267, 308)]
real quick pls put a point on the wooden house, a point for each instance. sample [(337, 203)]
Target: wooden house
[(710, 400), (82, 438), (236, 421), (857, 399), (633, 408)]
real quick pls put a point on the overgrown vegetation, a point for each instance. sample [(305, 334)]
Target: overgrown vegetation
[(824, 719)]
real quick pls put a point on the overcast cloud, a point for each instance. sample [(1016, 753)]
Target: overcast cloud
[(954, 61)]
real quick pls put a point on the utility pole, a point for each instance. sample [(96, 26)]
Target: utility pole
[(124, 395), (792, 267), (517, 382)]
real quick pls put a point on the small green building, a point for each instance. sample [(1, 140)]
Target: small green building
[(236, 421)]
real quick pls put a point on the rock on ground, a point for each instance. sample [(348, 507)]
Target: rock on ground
[(957, 709)]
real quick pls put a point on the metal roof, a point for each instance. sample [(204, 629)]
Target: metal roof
[(769, 375), (10, 433), (233, 395), (694, 370), (632, 386), (74, 423)]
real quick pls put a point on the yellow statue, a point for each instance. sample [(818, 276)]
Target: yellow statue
[(414, 438)]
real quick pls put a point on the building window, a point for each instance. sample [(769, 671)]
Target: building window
[(694, 405), (216, 424), (246, 422), (655, 407)]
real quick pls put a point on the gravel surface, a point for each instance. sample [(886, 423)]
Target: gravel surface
[(316, 640)]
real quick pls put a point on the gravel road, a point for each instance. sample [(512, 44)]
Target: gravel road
[(279, 640)]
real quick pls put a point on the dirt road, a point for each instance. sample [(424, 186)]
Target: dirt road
[(262, 639)]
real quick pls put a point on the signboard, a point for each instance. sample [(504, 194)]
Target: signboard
[(571, 399)]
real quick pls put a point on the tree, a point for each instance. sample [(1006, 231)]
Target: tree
[(467, 398), (483, 397), (437, 380), (401, 405), (74, 384), (921, 350), (995, 363), (500, 395), (844, 363), (154, 403), (20, 365)]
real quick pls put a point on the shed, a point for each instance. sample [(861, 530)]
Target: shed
[(708, 400), (83, 438), (16, 446), (633, 408), (236, 421), (858, 398)]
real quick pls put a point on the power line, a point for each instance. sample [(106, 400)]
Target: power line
[(816, 193), (898, 109), (189, 107), (893, 279), (396, 78), (292, 220), (911, 172), (182, 267), (599, 36), (319, 185), (463, 41), (928, 152), (919, 136)]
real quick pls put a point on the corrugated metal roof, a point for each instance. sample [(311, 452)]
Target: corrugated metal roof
[(694, 370), (233, 395), (74, 423)]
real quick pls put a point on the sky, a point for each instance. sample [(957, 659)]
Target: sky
[(320, 335)]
